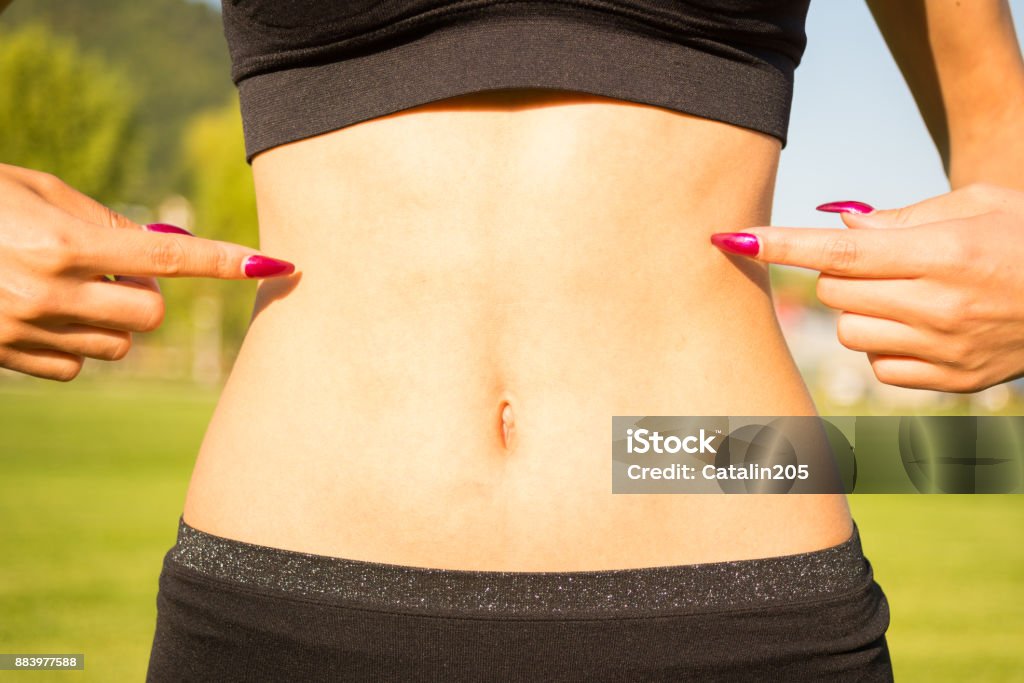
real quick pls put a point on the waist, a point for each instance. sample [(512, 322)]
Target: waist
[(433, 343), (447, 361), (477, 433), (556, 275), (537, 243)]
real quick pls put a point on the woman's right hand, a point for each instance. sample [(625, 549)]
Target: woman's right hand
[(931, 293), (57, 308)]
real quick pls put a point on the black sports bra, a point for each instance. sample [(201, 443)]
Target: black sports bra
[(305, 67)]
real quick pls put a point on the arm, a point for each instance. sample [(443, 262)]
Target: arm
[(932, 292), (56, 247), (963, 65)]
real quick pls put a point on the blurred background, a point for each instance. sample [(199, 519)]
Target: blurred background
[(132, 103)]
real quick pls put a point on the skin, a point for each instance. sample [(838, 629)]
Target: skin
[(963, 64), (433, 386), (925, 291), (570, 281), (929, 297)]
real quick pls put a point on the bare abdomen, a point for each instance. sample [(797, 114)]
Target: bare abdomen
[(481, 289)]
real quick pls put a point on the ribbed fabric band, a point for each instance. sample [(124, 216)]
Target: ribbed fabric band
[(515, 51), (835, 571)]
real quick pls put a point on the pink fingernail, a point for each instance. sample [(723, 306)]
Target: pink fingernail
[(167, 227), (264, 266), (742, 243), (846, 206)]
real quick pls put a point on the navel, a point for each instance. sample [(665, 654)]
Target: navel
[(508, 424)]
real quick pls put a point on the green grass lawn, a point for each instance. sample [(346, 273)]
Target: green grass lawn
[(93, 479)]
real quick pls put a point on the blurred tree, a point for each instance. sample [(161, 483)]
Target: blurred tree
[(174, 52), (68, 113), (224, 201), (221, 184)]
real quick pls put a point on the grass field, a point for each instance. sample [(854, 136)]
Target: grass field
[(93, 479)]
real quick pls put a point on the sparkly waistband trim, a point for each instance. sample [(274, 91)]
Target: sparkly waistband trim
[(619, 593)]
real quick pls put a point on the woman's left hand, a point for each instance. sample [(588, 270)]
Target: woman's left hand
[(933, 293)]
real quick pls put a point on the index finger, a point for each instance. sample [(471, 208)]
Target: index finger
[(144, 253), (853, 253)]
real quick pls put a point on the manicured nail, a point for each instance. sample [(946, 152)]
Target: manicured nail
[(742, 243), (846, 206), (264, 266), (167, 227)]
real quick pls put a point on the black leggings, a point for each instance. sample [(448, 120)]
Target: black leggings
[(234, 611)]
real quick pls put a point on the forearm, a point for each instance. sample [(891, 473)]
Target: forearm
[(982, 77), (963, 64), (988, 145)]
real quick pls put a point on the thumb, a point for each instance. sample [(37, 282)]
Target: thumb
[(958, 204), (858, 215)]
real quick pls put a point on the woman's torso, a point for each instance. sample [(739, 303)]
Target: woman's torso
[(543, 250)]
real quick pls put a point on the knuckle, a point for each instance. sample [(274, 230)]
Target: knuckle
[(980, 190), (223, 263), (155, 312), (963, 249), (971, 311), (63, 251), (52, 251), (213, 258), (954, 305), (840, 254), (68, 370), (942, 316), (825, 289), (26, 308), (956, 237), (940, 262), (970, 353), (972, 362), (33, 304), (903, 215), (167, 256), (112, 218), (12, 333), (884, 371), (121, 347), (844, 330), (971, 190), (945, 322), (958, 352), (48, 182)]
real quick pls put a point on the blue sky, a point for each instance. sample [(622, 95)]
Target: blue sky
[(855, 131)]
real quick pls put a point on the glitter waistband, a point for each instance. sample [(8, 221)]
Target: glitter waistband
[(612, 593)]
